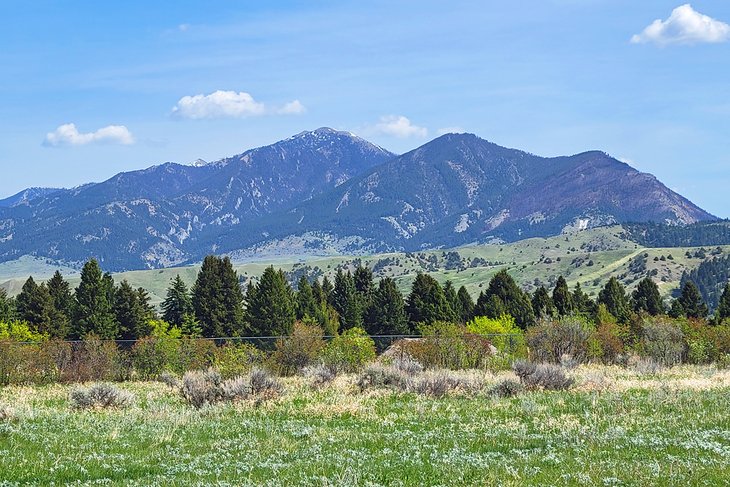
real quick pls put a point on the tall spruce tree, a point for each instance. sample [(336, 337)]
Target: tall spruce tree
[(691, 302), (131, 313), (93, 311), (347, 301), (723, 309), (542, 304), (218, 299), (306, 304), (465, 309), (563, 298), (386, 314), (178, 304), (582, 302), (613, 296), (427, 303), (35, 306), (504, 296), (60, 291), (453, 299), (647, 299), (7, 307), (271, 307)]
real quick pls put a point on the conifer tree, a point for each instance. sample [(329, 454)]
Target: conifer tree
[(177, 307), (62, 297), (582, 302), (503, 296), (7, 307), (562, 298), (465, 309), (723, 309), (646, 298), (691, 302), (452, 298), (328, 289), (93, 311), (271, 308), (613, 296), (35, 306), (346, 301), (427, 303), (217, 298), (386, 314), (306, 304), (542, 303), (131, 313)]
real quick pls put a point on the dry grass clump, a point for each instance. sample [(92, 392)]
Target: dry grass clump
[(320, 374), (542, 376), (507, 388), (378, 375), (6, 414), (169, 379), (408, 376), (100, 396), (442, 382), (205, 388), (646, 366)]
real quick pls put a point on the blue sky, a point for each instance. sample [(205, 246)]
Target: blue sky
[(138, 81)]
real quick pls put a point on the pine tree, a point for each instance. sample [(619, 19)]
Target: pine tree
[(503, 296), (646, 298), (306, 304), (131, 314), (327, 289), (386, 315), (7, 307), (465, 309), (691, 301), (562, 298), (93, 311), (271, 307), (582, 302), (723, 308), (542, 303), (613, 296), (217, 298), (427, 303), (62, 297), (177, 307), (452, 299), (346, 301), (34, 305)]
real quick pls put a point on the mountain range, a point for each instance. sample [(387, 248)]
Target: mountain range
[(327, 191)]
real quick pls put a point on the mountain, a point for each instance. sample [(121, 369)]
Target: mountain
[(156, 217), (460, 189), (26, 196)]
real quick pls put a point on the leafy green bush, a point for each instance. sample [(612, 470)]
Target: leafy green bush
[(158, 352), (349, 351), (502, 332), (302, 348), (662, 340), (234, 359), (449, 345), (19, 331), (550, 341)]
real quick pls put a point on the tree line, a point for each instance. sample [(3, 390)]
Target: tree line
[(218, 306)]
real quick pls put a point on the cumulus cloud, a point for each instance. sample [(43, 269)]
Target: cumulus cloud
[(68, 134), (399, 126), (450, 130), (229, 104), (292, 108), (684, 26)]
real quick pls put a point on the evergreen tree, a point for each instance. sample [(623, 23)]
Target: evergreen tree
[(427, 303), (542, 303), (386, 315), (452, 299), (271, 307), (306, 304), (646, 298), (131, 314), (691, 301), (510, 299), (346, 300), (34, 305), (613, 296), (217, 298), (93, 311), (582, 302), (62, 297), (562, 298), (465, 307), (363, 279), (328, 289), (723, 309), (177, 308), (7, 307), (317, 292)]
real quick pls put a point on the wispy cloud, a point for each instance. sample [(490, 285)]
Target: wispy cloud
[(684, 26), (399, 126), (68, 135), (229, 104)]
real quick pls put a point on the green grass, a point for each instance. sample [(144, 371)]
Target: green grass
[(671, 429)]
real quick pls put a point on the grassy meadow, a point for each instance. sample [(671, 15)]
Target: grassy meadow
[(617, 426)]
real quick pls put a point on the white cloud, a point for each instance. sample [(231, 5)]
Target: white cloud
[(399, 126), (68, 134), (292, 108), (229, 104), (183, 27), (451, 130), (684, 26)]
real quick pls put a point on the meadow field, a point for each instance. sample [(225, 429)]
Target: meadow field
[(616, 426)]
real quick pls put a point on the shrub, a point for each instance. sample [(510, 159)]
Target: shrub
[(196, 354), (201, 388), (169, 380), (507, 388), (20, 331), (26, 363), (320, 374), (449, 345), (349, 351), (662, 340), (100, 396), (262, 382), (407, 364), (6, 414), (607, 342), (647, 366), (235, 389), (151, 356), (441, 383), (235, 359), (502, 332), (377, 375), (549, 341), (542, 376), (95, 359), (302, 348)]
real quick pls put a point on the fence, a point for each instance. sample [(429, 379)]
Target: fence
[(95, 359)]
